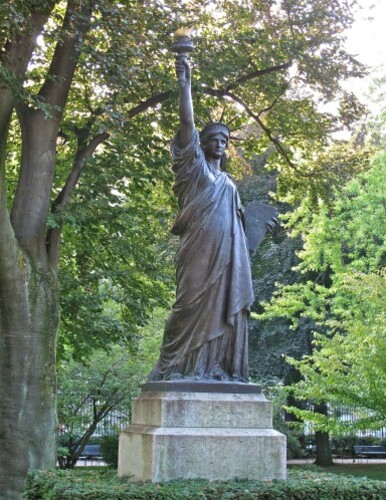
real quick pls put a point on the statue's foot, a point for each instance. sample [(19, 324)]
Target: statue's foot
[(155, 375), (219, 374)]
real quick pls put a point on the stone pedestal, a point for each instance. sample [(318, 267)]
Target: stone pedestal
[(214, 430)]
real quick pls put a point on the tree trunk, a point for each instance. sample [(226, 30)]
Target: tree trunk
[(29, 315), (29, 318), (323, 448)]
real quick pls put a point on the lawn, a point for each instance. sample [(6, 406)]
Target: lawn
[(371, 471)]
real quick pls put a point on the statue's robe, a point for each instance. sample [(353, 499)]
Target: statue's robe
[(206, 334)]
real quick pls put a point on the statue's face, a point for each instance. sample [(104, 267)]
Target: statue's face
[(215, 146)]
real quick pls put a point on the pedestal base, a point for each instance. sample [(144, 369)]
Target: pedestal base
[(180, 434)]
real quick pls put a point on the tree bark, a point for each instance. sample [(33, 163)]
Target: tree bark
[(322, 439), (14, 58), (29, 318)]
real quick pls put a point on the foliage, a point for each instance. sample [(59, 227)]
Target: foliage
[(87, 394), (292, 430), (273, 60), (116, 263), (372, 129), (273, 263), (109, 450), (347, 243), (327, 171), (58, 485), (89, 391)]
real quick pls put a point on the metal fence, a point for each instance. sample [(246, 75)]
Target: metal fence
[(118, 419), (347, 414)]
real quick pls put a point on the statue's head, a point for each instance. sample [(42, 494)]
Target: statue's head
[(212, 129), (214, 139)]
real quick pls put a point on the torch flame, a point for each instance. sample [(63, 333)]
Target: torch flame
[(183, 32)]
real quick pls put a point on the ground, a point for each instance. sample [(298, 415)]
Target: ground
[(372, 468)]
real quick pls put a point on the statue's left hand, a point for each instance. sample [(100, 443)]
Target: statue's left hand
[(183, 70), (271, 224)]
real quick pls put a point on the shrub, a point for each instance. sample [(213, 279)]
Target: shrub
[(109, 450), (292, 430), (104, 484), (343, 445)]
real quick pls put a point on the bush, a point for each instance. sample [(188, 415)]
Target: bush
[(104, 484), (343, 445), (109, 450), (292, 430)]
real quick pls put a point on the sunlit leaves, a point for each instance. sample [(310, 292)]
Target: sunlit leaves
[(126, 60), (116, 257), (347, 242)]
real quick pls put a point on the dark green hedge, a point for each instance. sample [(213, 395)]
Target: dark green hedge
[(104, 484), (109, 450)]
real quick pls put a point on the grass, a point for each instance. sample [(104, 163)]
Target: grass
[(371, 471)]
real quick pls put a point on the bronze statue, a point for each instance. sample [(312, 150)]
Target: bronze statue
[(206, 334)]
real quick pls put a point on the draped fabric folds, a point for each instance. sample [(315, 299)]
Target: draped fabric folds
[(206, 334)]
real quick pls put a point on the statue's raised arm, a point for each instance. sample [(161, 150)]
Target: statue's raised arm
[(183, 72)]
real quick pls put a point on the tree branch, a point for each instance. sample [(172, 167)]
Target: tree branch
[(57, 84), (14, 60), (159, 98), (39, 131), (54, 234), (256, 74), (273, 103), (151, 102), (9, 253), (275, 141)]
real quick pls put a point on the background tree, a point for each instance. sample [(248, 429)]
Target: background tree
[(117, 255), (275, 264), (89, 391), (347, 365), (100, 78)]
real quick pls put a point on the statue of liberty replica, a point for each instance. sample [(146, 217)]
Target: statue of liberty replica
[(198, 417), (206, 335)]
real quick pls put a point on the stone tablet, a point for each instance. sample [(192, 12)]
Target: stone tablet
[(256, 216)]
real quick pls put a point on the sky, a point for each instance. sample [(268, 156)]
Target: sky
[(367, 39)]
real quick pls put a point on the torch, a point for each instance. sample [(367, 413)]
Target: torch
[(181, 47)]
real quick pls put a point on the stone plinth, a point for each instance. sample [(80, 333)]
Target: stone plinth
[(214, 431)]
